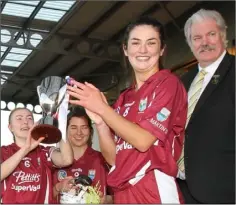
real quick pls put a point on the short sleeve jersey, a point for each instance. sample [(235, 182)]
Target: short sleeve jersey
[(31, 181), (160, 107), (91, 164)]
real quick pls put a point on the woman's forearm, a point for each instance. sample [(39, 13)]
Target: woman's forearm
[(132, 133), (107, 144), (9, 165)]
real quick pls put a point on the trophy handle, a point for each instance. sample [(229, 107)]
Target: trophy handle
[(62, 93), (38, 90)]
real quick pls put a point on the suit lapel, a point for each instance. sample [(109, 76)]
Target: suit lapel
[(214, 83)]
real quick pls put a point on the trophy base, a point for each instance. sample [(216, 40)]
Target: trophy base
[(51, 133)]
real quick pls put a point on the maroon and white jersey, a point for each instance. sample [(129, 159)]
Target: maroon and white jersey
[(31, 181), (160, 107), (91, 164)]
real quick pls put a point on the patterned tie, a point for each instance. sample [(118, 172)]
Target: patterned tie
[(194, 94)]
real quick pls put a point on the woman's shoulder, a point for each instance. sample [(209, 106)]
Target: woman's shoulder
[(126, 90), (170, 78), (169, 75), (8, 150), (96, 154), (8, 147)]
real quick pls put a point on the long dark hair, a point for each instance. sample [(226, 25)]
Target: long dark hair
[(81, 113), (145, 20)]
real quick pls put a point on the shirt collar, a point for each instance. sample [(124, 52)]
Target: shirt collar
[(153, 77), (212, 67)]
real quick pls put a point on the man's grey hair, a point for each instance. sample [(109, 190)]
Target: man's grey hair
[(201, 15)]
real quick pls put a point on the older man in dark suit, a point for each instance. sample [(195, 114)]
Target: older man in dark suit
[(207, 164)]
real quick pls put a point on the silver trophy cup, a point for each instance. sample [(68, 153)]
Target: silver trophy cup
[(51, 93)]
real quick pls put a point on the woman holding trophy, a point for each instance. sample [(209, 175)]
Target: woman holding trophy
[(26, 166), (141, 136), (85, 180)]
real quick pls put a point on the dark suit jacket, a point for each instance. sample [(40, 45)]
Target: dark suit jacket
[(210, 138)]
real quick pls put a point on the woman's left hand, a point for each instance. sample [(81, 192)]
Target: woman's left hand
[(87, 96)]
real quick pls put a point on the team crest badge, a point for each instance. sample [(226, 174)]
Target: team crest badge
[(142, 105), (91, 173), (61, 175), (163, 114)]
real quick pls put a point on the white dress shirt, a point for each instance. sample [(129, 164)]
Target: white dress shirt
[(211, 69)]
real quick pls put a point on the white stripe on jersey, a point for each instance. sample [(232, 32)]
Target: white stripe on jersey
[(4, 187), (140, 174), (112, 169), (173, 145), (167, 187), (46, 201), (156, 143)]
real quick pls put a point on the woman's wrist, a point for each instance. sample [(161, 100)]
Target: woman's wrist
[(102, 109), (58, 187), (101, 125), (24, 151)]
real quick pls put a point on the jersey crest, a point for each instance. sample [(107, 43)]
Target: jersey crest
[(163, 114), (61, 175), (142, 105), (91, 173)]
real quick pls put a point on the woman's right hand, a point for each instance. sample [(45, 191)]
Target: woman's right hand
[(30, 143), (66, 184), (93, 116)]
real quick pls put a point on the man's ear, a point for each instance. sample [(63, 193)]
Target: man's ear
[(125, 50)]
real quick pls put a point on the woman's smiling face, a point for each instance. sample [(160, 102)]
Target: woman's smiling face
[(143, 48)]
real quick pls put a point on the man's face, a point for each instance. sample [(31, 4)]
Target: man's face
[(207, 43)]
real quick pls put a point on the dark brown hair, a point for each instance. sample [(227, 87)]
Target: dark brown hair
[(80, 113), (144, 20)]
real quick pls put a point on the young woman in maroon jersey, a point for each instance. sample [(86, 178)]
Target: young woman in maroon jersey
[(87, 161), (26, 166), (148, 121)]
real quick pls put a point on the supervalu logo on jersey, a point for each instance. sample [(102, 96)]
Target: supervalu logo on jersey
[(163, 114)]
